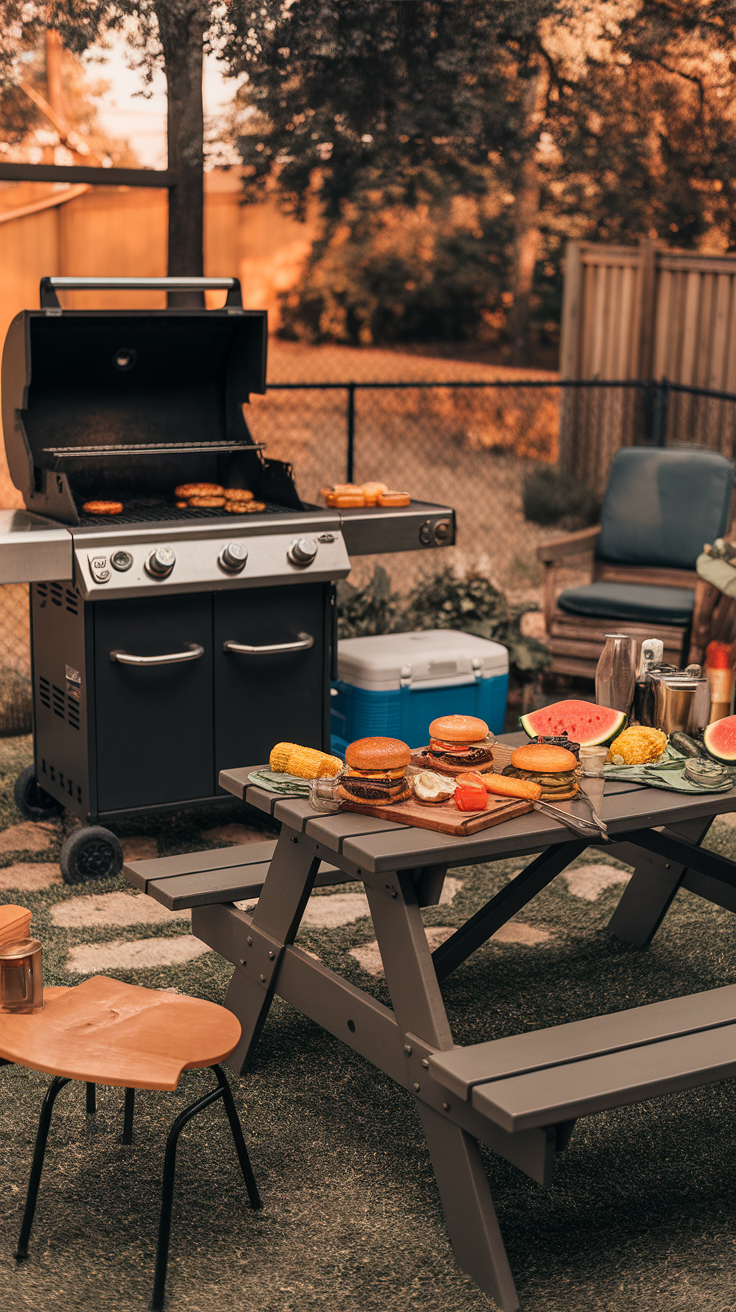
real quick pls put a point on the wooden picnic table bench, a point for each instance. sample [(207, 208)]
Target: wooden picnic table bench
[(519, 1095)]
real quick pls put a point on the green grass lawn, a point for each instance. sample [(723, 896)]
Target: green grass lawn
[(641, 1216)]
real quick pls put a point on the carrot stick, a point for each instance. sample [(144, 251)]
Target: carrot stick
[(507, 786)]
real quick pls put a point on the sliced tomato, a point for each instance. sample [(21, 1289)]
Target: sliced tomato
[(471, 799)]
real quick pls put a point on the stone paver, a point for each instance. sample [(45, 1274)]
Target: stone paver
[(29, 836), (139, 848), (589, 881), (98, 909), (30, 875), (330, 910), (368, 956), (138, 954)]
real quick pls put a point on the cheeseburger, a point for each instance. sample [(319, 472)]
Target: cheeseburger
[(376, 771), (458, 743), (554, 768)]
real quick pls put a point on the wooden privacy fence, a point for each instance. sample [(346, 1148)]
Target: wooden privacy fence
[(646, 314)]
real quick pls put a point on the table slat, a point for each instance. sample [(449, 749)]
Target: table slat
[(189, 863), (561, 1093), (463, 1068)]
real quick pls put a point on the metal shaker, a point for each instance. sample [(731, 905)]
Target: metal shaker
[(21, 975), (652, 651)]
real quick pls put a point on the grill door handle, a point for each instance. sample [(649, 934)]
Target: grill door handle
[(304, 641), (193, 653)]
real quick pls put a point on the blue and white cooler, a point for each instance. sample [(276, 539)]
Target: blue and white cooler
[(395, 684)]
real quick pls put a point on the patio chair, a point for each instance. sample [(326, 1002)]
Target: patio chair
[(659, 508)]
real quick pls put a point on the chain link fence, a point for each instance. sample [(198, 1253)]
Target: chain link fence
[(15, 660), (464, 443)]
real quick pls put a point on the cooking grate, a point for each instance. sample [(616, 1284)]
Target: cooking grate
[(152, 510)]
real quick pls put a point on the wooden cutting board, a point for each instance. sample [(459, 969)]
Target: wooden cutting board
[(444, 817)]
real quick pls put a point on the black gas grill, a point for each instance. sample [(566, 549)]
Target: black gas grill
[(167, 643)]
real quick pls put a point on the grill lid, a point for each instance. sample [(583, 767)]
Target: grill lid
[(111, 403)]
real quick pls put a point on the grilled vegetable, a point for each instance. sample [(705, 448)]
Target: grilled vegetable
[(682, 742), (280, 755), (305, 762), (637, 745), (504, 785), (471, 799)]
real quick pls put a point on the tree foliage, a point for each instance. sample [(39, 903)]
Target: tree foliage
[(554, 118)]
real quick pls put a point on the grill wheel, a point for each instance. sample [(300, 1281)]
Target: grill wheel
[(91, 853), (32, 800)]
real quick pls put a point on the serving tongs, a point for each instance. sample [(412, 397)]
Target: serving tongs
[(583, 828)]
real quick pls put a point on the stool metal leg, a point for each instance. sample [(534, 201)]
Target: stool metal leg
[(128, 1116), (167, 1191), (237, 1133), (91, 1099), (56, 1085)]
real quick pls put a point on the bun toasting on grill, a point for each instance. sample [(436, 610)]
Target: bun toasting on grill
[(376, 771), (554, 768), (458, 743)]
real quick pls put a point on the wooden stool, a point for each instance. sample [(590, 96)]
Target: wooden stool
[(106, 1032)]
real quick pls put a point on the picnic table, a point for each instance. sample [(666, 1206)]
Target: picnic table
[(519, 1095)]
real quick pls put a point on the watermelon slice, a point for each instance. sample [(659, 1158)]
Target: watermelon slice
[(720, 739), (583, 722)]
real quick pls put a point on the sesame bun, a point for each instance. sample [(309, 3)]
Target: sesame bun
[(459, 729), (543, 758), (378, 754)]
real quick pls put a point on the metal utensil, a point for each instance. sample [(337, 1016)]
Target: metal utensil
[(596, 818), (583, 828)]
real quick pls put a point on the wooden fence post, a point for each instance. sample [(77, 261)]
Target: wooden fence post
[(572, 314)]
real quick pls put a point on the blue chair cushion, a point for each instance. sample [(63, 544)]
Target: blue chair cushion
[(629, 601), (661, 505)]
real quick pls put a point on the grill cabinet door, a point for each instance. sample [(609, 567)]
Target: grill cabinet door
[(262, 700), (154, 723)]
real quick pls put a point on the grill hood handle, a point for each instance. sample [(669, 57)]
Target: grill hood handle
[(193, 653), (50, 286)]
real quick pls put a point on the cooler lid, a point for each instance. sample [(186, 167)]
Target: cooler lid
[(392, 658)]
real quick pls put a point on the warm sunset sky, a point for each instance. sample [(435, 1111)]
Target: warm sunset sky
[(143, 122)]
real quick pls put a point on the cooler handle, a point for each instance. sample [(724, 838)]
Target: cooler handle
[(50, 286)]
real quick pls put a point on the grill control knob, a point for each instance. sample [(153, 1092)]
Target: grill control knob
[(302, 551), (233, 557), (160, 562)]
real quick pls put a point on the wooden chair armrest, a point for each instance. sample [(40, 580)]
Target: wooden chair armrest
[(573, 544), (706, 598)]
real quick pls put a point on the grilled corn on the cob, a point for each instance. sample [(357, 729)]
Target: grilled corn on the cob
[(637, 745), (305, 762), (280, 755)]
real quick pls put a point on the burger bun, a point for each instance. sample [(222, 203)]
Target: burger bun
[(459, 729), (378, 754), (543, 758)]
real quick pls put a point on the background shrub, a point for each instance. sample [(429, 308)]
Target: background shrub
[(471, 604), (552, 497)]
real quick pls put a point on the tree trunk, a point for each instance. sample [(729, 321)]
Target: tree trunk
[(526, 221), (182, 27)]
